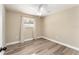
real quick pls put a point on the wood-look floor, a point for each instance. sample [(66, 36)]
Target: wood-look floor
[(39, 47)]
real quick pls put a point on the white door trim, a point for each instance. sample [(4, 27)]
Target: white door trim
[(2, 27), (21, 31)]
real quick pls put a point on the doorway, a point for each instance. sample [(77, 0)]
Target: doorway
[(27, 29)]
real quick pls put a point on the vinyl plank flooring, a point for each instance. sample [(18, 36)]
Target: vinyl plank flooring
[(39, 47)]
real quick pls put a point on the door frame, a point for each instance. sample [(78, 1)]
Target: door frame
[(21, 29), (2, 29)]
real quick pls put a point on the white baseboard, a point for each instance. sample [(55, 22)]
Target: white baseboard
[(28, 39), (39, 37), (72, 47), (12, 43), (75, 48), (19, 41), (32, 38)]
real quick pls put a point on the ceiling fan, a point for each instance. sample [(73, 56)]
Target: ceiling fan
[(42, 9)]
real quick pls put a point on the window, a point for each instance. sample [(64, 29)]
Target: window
[(28, 22)]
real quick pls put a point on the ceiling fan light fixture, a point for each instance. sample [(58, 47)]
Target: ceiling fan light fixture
[(41, 9)]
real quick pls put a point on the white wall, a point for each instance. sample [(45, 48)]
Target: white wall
[(13, 26), (2, 27), (63, 26)]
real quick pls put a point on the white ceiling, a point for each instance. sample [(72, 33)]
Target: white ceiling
[(33, 8)]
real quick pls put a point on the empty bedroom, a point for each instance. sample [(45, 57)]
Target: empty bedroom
[(41, 29)]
